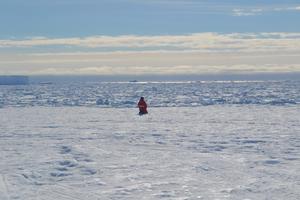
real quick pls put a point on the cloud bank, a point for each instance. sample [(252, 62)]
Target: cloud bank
[(202, 42), (201, 53)]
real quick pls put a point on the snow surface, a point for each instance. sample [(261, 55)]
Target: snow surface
[(157, 94), (206, 152)]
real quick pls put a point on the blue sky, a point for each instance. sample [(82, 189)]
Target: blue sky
[(108, 35), (64, 18)]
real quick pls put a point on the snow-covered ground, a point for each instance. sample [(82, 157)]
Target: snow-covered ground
[(207, 152), (157, 94)]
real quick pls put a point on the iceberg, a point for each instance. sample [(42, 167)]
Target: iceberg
[(14, 80)]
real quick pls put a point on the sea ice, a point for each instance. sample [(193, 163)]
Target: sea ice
[(206, 152)]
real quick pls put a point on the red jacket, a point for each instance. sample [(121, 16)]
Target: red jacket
[(142, 106)]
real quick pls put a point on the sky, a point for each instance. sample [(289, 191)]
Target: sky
[(149, 37)]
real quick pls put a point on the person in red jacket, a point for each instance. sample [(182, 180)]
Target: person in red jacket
[(142, 106)]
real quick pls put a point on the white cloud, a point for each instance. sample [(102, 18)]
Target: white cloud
[(247, 12), (297, 8), (170, 54), (206, 42), (161, 62), (239, 12)]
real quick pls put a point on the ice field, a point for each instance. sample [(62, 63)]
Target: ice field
[(183, 149)]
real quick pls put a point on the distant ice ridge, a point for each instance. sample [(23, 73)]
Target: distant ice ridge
[(14, 80), (157, 94)]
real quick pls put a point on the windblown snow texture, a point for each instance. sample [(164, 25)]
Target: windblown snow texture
[(184, 94), (57, 143)]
